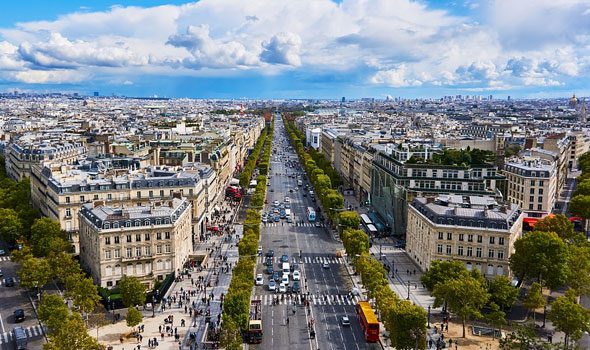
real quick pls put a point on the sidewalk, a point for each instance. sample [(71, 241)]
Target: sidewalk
[(183, 295)]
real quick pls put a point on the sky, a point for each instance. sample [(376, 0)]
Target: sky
[(297, 48)]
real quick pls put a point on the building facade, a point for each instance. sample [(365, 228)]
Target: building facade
[(473, 229), (147, 242)]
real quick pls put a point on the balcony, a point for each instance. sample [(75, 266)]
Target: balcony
[(137, 258)]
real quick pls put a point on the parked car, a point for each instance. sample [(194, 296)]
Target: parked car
[(276, 276), (19, 315), (259, 280), (270, 270), (284, 258), (272, 285), (296, 275), (9, 282), (282, 288), (296, 287), (270, 253)]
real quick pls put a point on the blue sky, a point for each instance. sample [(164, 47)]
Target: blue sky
[(297, 49)]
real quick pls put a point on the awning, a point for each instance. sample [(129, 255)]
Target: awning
[(530, 221)]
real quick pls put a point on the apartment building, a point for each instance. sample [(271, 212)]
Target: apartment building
[(532, 184), (147, 242), (59, 191), (579, 144), (398, 177), (473, 229)]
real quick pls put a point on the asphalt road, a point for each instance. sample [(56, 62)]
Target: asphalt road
[(12, 298), (328, 287)]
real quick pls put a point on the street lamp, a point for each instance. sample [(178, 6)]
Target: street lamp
[(408, 298), (428, 316), (544, 315)]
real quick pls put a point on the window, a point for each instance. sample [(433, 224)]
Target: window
[(439, 248), (67, 200), (128, 238), (449, 236), (117, 240), (469, 251), (531, 206), (138, 237), (532, 182), (460, 250), (128, 253), (159, 235), (541, 183), (127, 223), (491, 253), (95, 197), (469, 238), (500, 255), (501, 240), (130, 269), (461, 237), (531, 198), (449, 249), (492, 240), (479, 238), (148, 251), (107, 240), (540, 199), (532, 191), (82, 200), (539, 206), (167, 235), (167, 248), (107, 254), (147, 236), (159, 249), (117, 253), (68, 213), (161, 193), (151, 194), (440, 235), (478, 252), (137, 251), (138, 194)]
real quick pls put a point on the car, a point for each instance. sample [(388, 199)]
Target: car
[(276, 276), (275, 203), (272, 189), (345, 321), (270, 270), (296, 287), (304, 194), (296, 275), (291, 190), (272, 285), (268, 184), (313, 199), (268, 262), (259, 250), (287, 205), (282, 288), (259, 280), (289, 220), (295, 266), (19, 315), (325, 265), (264, 218), (9, 282), (1, 273), (2, 252), (284, 258), (285, 280), (270, 253), (287, 199), (277, 218)]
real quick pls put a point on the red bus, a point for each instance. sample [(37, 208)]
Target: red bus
[(368, 321)]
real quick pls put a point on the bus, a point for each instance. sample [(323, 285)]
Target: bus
[(310, 214), (365, 221), (368, 321)]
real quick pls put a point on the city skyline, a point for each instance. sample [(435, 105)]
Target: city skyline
[(297, 49)]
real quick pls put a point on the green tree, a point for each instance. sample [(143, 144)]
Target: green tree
[(34, 273), (569, 317), (53, 311), (10, 225), (559, 224), (502, 293), (20, 255), (84, 294), (230, 337), (582, 189), (355, 242), (134, 317), (441, 271), (496, 317), (72, 335), (349, 219), (132, 291), (579, 266), (465, 296), (407, 326), (525, 338), (534, 299), (47, 237), (542, 256), (63, 266), (580, 206)]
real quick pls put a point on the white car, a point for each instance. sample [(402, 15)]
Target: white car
[(259, 280), (287, 199), (296, 276), (282, 288), (272, 285), (285, 280), (345, 321), (275, 203)]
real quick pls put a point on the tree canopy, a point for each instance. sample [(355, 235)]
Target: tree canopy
[(132, 291)]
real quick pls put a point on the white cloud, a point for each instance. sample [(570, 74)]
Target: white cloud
[(395, 78), (49, 77), (283, 48)]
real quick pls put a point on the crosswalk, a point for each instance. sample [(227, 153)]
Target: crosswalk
[(293, 224), (32, 332), (5, 258), (314, 299), (307, 260), (3, 281)]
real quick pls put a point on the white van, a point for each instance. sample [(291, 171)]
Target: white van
[(286, 268), (287, 213)]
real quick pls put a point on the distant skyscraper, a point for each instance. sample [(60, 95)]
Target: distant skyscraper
[(96, 94), (491, 97), (508, 97), (343, 99)]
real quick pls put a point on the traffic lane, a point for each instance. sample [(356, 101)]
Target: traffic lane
[(332, 334), (12, 298)]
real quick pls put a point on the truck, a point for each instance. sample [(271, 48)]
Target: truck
[(20, 338), (254, 333)]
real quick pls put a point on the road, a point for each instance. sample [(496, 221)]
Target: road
[(12, 298), (328, 285)]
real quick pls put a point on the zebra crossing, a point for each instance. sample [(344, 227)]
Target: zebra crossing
[(4, 258), (307, 260), (314, 299), (3, 280), (293, 224), (32, 332)]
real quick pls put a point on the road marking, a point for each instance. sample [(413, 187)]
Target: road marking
[(32, 332), (4, 258), (315, 299)]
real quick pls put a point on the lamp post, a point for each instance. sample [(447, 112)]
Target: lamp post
[(112, 304), (428, 316), (153, 305), (408, 298), (544, 315)]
